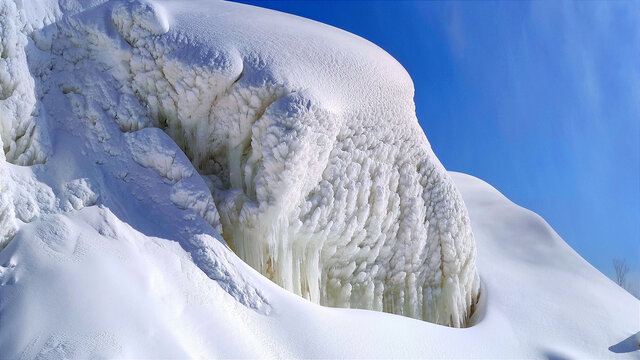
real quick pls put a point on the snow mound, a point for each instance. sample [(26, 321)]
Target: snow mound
[(309, 158)]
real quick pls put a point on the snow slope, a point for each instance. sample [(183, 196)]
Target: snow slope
[(137, 133), (539, 294)]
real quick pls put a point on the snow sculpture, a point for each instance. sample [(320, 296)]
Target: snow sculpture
[(306, 136)]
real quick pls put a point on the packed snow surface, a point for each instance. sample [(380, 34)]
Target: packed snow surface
[(142, 138), (302, 147)]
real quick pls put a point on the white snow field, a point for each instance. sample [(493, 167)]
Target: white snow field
[(163, 160)]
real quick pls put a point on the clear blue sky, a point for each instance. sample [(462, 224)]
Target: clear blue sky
[(541, 100)]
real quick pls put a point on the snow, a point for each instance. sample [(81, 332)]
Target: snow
[(142, 138), (7, 212), (24, 141), (306, 195), (539, 290), (152, 149), (88, 285), (304, 155), (85, 284)]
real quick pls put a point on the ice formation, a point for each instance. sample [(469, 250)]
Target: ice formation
[(319, 175)]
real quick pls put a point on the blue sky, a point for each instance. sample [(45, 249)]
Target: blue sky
[(540, 99)]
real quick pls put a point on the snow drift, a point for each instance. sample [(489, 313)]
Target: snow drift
[(305, 136)]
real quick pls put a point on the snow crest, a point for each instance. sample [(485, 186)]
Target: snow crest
[(306, 137)]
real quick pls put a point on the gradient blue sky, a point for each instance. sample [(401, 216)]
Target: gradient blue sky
[(540, 99)]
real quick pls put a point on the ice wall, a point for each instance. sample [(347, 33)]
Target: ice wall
[(305, 135)]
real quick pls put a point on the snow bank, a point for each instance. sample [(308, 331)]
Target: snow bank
[(305, 136)]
